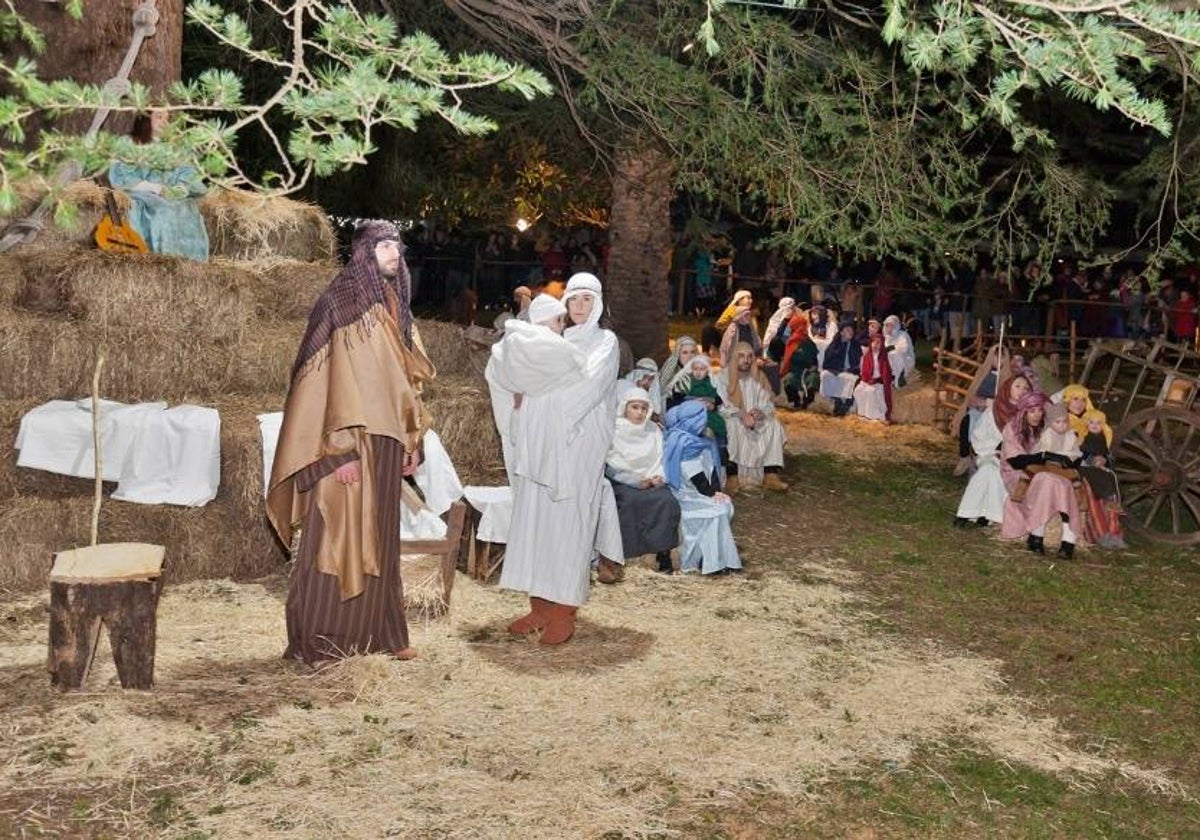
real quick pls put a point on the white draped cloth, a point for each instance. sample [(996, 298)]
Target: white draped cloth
[(761, 446), (838, 386), (554, 446), (985, 493), (155, 454)]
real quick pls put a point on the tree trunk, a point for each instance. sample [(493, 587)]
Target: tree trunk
[(637, 288), (91, 50)]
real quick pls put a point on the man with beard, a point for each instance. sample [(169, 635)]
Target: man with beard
[(755, 434), (351, 424)]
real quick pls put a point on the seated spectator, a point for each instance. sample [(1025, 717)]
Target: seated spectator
[(695, 384), (800, 369), (691, 462), (775, 338), (822, 329), (740, 331), (755, 435), (902, 358), (685, 349), (983, 500), (873, 393), (1104, 506), (645, 375), (648, 511), (1050, 494), (1059, 450), (839, 374)]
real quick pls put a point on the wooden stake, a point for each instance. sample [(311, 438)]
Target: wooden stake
[(99, 460)]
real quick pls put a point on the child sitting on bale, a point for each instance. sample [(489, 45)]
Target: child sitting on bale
[(1059, 452), (648, 512)]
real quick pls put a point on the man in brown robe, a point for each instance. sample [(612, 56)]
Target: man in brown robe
[(353, 411)]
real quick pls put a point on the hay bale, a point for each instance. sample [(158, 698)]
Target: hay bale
[(424, 587), (248, 226), (177, 296), (446, 348), (462, 417), (287, 289), (241, 225), (221, 539), (52, 358)]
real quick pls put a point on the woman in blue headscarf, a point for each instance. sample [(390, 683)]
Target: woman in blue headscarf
[(691, 461)]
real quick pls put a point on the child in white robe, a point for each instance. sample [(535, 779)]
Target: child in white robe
[(649, 513)]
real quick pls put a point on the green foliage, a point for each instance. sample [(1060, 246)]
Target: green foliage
[(343, 76)]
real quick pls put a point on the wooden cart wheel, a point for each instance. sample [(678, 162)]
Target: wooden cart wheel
[(1156, 456)]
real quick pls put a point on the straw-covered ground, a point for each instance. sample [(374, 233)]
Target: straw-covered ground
[(683, 705)]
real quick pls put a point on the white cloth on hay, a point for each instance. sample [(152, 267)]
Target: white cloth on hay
[(157, 455), (436, 477), (838, 386), (495, 511)]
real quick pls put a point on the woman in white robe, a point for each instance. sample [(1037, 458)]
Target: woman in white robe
[(691, 459), (560, 439), (902, 357), (983, 500)]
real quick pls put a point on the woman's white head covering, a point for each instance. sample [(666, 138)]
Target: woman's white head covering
[(544, 307), (636, 447), (582, 283), (787, 306), (893, 320)]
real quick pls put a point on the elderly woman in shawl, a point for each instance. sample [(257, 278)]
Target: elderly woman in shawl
[(691, 461), (1049, 494), (649, 513), (755, 435), (983, 500), (559, 435), (685, 348), (353, 412)]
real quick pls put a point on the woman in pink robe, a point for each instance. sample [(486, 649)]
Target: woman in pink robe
[(1049, 495)]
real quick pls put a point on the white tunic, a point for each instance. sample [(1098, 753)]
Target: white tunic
[(707, 539), (557, 495), (985, 493), (761, 446), (838, 386), (902, 357)]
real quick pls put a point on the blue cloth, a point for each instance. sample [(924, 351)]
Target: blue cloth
[(684, 440), (169, 221)]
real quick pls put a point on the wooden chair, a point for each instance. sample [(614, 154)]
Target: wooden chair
[(446, 548)]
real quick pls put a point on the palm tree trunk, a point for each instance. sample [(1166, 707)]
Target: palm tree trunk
[(637, 288)]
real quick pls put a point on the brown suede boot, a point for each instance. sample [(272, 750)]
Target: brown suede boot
[(732, 486), (537, 617), (609, 571), (772, 481), (561, 625)]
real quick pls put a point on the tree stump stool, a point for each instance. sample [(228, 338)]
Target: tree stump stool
[(117, 585)]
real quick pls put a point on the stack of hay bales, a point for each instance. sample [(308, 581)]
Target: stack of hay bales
[(221, 334)]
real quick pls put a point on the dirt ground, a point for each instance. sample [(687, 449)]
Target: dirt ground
[(676, 690)]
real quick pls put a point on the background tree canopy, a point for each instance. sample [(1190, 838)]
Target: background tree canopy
[(917, 130)]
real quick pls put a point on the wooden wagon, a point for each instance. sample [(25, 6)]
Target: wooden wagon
[(1149, 394)]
